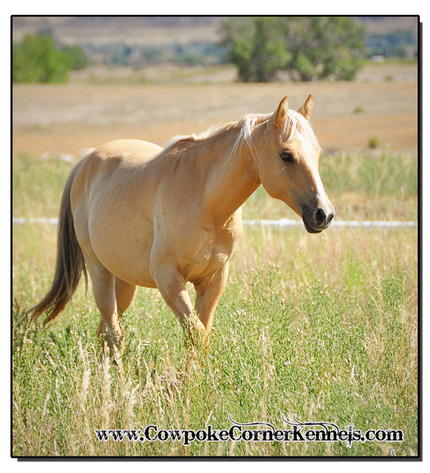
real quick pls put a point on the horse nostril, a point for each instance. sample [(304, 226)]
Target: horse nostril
[(320, 216), (330, 217)]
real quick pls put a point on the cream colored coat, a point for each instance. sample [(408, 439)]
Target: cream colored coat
[(152, 217)]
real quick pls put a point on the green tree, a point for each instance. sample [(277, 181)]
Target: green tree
[(79, 59), (308, 48), (256, 47), (37, 60)]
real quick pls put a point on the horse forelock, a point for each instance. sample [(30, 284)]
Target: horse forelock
[(295, 124)]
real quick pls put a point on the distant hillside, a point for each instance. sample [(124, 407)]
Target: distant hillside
[(389, 24), (158, 31), (131, 31)]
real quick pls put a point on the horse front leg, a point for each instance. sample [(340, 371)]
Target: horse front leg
[(171, 285), (208, 294)]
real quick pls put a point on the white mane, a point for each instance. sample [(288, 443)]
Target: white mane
[(295, 124)]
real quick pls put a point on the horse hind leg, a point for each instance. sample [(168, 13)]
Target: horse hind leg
[(104, 285), (110, 329)]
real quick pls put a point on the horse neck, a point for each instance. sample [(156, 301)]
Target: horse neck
[(231, 179)]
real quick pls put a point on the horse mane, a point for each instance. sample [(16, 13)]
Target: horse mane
[(295, 123)]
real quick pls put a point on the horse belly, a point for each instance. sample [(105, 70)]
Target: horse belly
[(121, 237), (125, 254)]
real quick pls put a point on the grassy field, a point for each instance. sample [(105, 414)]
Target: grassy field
[(323, 327)]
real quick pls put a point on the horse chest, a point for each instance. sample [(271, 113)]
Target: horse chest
[(207, 261), (211, 256)]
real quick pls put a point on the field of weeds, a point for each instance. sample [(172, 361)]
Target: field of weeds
[(317, 328), (311, 328)]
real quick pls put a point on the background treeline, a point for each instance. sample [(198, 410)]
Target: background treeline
[(39, 59), (305, 48)]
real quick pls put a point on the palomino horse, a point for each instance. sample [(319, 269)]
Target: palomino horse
[(135, 214)]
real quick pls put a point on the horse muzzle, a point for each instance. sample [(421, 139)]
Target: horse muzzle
[(318, 219)]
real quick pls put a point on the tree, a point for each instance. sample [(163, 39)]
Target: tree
[(308, 48), (256, 47), (37, 60), (79, 58)]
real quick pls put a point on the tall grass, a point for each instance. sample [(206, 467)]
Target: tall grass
[(323, 327)]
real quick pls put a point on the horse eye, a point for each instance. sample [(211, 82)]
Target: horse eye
[(287, 156)]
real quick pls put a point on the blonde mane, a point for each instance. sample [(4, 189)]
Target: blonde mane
[(295, 124)]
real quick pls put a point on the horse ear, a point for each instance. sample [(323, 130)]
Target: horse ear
[(306, 109), (278, 118)]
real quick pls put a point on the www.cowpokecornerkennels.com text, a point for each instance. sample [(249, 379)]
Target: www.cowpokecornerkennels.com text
[(254, 432)]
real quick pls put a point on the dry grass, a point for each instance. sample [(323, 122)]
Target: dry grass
[(324, 328)]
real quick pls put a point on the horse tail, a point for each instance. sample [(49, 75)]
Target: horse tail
[(70, 263)]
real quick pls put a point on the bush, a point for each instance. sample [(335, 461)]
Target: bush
[(37, 60)]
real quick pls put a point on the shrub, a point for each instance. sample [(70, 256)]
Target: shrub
[(37, 60)]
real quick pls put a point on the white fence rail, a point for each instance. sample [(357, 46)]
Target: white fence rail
[(282, 223), (335, 223)]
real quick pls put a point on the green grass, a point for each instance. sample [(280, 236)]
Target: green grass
[(323, 327)]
